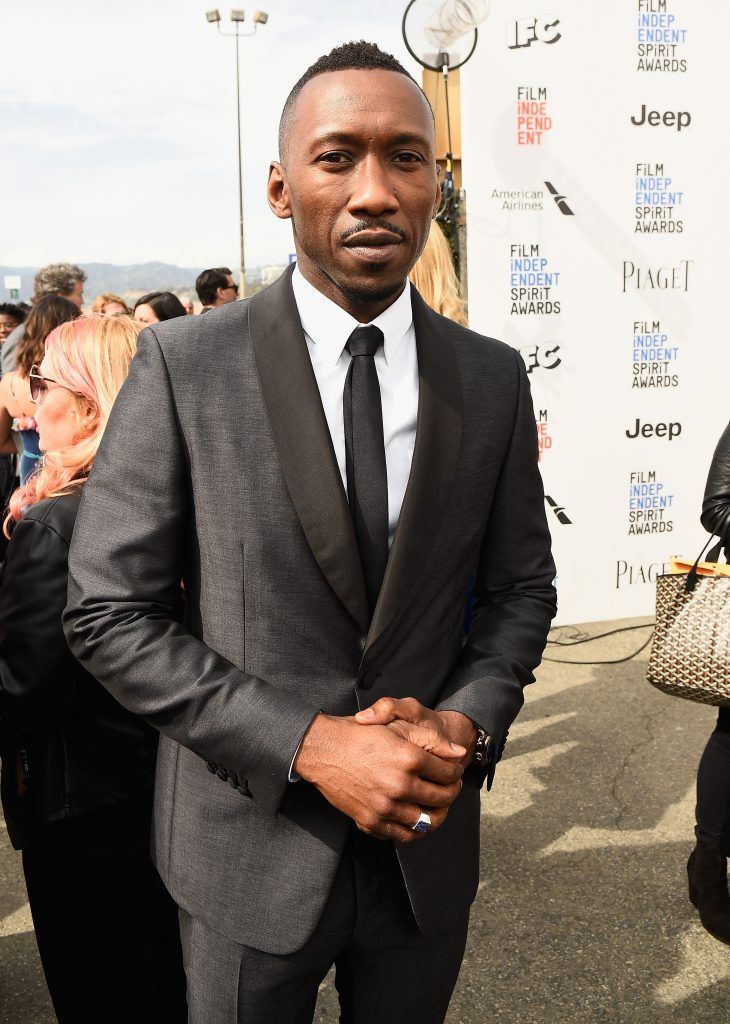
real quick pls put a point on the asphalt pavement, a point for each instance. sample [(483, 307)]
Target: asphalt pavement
[(582, 915)]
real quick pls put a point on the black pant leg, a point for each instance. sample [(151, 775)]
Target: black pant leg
[(105, 926), (391, 973), (713, 787)]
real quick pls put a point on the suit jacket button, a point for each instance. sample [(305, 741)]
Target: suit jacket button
[(367, 680)]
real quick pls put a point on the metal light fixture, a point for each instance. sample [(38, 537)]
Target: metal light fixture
[(442, 37), (260, 18), (238, 15), (213, 16)]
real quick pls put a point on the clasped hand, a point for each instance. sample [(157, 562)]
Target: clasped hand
[(388, 763)]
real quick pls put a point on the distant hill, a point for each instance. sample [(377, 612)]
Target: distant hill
[(107, 277)]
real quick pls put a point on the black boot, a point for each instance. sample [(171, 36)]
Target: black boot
[(707, 871)]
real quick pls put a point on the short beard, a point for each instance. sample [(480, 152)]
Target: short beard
[(364, 295), (356, 293)]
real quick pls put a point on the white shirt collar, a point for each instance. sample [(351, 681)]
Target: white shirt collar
[(329, 326)]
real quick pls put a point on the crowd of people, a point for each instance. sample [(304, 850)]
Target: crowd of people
[(198, 576)]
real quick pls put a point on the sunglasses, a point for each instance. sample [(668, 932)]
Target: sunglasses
[(39, 385)]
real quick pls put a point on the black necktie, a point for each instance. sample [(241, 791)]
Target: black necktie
[(367, 479)]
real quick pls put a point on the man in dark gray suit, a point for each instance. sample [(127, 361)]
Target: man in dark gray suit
[(323, 467)]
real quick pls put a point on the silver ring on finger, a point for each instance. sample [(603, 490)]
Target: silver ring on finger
[(423, 824)]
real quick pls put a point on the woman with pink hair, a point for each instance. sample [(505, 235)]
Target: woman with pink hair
[(77, 768)]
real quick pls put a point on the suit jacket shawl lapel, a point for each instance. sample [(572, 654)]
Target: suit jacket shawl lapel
[(303, 442), (435, 456), (308, 461)]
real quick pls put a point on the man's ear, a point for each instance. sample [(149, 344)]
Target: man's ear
[(437, 197), (277, 192)]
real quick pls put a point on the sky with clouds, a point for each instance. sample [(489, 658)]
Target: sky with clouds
[(118, 124)]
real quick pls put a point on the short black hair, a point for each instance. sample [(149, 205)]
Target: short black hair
[(355, 56), (18, 313), (166, 305), (209, 281)]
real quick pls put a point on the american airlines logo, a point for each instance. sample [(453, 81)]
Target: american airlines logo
[(559, 200), (559, 511)]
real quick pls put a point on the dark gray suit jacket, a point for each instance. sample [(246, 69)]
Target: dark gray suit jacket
[(217, 469)]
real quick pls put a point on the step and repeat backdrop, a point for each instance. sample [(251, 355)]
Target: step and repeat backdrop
[(595, 160)]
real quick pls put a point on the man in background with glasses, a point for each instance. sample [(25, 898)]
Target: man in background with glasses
[(216, 287)]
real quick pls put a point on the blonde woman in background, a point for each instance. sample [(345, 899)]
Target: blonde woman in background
[(435, 279), (109, 304), (77, 768)]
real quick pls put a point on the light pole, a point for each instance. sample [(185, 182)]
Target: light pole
[(237, 17)]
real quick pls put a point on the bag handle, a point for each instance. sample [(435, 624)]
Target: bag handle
[(712, 555)]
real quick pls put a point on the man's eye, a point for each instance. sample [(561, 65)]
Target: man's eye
[(334, 158), (409, 158)]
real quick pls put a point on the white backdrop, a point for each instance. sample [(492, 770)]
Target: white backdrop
[(624, 330)]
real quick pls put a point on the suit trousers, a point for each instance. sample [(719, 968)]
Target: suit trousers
[(387, 971)]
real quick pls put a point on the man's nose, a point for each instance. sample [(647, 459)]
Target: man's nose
[(373, 192)]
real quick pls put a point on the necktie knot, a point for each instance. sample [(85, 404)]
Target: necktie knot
[(364, 341)]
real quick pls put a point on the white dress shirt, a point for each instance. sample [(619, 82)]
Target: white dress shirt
[(327, 327)]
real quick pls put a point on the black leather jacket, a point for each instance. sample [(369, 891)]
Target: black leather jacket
[(68, 748), (716, 503)]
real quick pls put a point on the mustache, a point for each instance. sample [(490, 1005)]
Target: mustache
[(368, 225)]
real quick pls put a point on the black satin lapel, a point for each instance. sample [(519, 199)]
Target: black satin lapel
[(436, 453), (303, 442)]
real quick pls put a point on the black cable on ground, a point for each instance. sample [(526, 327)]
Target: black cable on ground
[(610, 661), (583, 638)]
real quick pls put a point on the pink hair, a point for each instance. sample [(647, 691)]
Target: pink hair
[(89, 356)]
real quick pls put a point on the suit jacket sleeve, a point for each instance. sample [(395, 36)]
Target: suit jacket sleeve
[(514, 595), (122, 620), (716, 503), (35, 684)]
